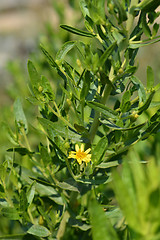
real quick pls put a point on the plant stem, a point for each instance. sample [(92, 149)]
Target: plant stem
[(60, 117), (69, 169), (95, 123), (26, 140)]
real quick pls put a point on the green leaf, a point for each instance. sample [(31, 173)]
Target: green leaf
[(11, 136), (101, 226), (108, 164), (97, 11), (150, 78), (155, 29), (121, 11), (145, 106), (35, 78), (67, 186), (86, 85), (107, 53), (58, 129), (79, 224), (34, 101), (103, 109), (31, 192), (155, 104), (20, 116), (96, 181), (125, 200), (77, 31), (46, 89), (84, 8), (21, 151), (116, 127), (23, 202), (99, 150), (52, 62), (147, 42), (140, 87), (125, 103), (148, 5), (145, 27), (155, 116), (10, 213), (62, 226), (64, 50), (50, 192), (40, 85), (49, 57), (39, 231)]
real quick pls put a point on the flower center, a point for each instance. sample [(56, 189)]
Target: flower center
[(80, 154)]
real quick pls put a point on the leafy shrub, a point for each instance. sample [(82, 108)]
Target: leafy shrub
[(68, 186)]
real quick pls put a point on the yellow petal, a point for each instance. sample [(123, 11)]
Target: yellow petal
[(72, 155), (77, 147), (82, 147), (88, 150), (79, 161)]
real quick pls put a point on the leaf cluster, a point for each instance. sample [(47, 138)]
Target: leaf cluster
[(106, 107)]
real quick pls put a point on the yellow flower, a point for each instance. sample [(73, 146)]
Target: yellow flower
[(80, 155)]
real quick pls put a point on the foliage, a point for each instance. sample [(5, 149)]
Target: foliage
[(53, 190)]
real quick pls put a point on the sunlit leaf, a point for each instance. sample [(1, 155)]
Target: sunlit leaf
[(39, 231)]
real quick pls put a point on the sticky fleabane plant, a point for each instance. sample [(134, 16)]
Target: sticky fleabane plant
[(89, 122)]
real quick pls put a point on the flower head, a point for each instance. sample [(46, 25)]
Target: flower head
[(80, 155)]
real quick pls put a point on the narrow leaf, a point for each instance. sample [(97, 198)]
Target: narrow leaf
[(21, 151), (148, 5), (34, 77), (52, 62), (84, 8), (64, 50), (107, 53), (141, 90), (121, 11), (77, 31), (103, 109), (86, 85), (49, 57), (108, 164), (145, 27), (99, 150), (19, 115), (139, 44), (101, 226), (147, 103), (114, 126)]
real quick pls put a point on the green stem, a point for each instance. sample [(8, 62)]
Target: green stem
[(69, 169), (60, 117), (96, 122), (104, 98)]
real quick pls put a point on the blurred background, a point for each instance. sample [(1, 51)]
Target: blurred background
[(23, 25)]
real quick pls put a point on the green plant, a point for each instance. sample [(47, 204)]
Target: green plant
[(98, 112)]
